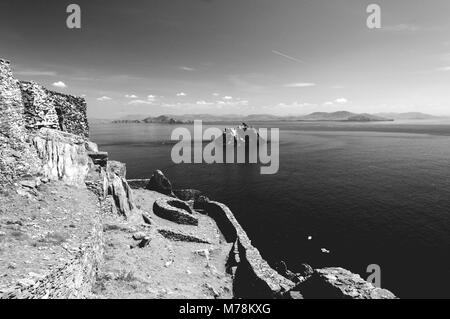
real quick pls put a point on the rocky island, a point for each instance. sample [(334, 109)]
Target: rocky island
[(73, 226)]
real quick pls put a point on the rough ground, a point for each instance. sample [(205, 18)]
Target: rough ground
[(41, 228), (165, 268)]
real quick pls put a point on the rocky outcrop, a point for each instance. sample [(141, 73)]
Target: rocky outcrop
[(339, 283), (174, 210), (64, 156), (159, 183), (118, 188), (238, 136)]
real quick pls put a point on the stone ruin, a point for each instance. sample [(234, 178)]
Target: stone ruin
[(45, 108)]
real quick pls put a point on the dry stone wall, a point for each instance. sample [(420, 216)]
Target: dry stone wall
[(17, 157), (45, 108), (38, 107)]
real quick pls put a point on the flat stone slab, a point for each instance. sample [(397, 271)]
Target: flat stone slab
[(99, 158), (174, 210), (182, 236)]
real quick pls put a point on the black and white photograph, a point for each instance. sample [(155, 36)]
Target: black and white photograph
[(225, 154)]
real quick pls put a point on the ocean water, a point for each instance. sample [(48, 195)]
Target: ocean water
[(370, 193)]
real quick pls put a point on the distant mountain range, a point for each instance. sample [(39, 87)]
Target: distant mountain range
[(162, 119), (339, 116), (408, 116)]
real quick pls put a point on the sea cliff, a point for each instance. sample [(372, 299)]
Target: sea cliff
[(73, 226)]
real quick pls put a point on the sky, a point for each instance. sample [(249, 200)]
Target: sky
[(284, 57)]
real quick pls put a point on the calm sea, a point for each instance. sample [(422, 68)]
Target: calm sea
[(370, 193)]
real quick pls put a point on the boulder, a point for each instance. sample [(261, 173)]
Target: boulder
[(339, 283), (161, 184), (119, 189)]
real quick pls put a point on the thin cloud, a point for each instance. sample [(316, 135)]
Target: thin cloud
[(300, 85), (138, 102), (35, 73), (401, 28), (131, 96), (104, 98), (445, 68), (59, 84), (151, 98), (341, 100), (227, 97), (202, 102), (181, 94), (186, 68), (287, 56)]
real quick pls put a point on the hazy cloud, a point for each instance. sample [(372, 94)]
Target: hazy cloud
[(131, 96), (104, 98), (341, 100), (59, 84), (35, 73), (137, 102), (186, 68), (181, 94), (401, 28), (300, 85), (202, 102)]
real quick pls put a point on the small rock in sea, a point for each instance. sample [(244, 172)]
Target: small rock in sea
[(325, 251)]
